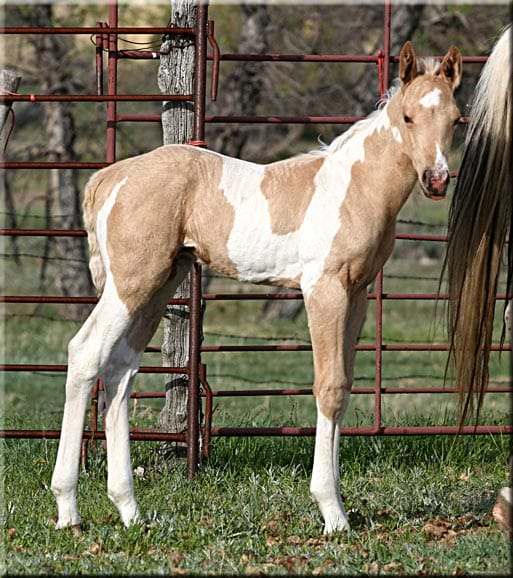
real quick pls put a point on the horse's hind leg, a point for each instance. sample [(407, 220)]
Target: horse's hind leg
[(118, 377), (88, 353)]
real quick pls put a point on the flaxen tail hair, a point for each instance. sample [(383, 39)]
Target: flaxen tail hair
[(480, 215)]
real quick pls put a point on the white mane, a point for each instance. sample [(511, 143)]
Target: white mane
[(365, 124)]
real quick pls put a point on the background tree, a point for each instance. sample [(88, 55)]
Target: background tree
[(53, 60)]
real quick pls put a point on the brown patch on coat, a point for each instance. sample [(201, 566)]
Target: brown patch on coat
[(147, 319), (335, 318), (210, 216), (145, 225), (289, 186), (327, 310)]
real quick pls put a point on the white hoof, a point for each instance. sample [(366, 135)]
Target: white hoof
[(503, 508), (130, 515), (341, 524), (68, 514)]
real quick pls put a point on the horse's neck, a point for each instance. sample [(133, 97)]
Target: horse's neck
[(382, 171)]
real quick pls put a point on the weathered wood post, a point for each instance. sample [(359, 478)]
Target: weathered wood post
[(9, 82), (176, 76)]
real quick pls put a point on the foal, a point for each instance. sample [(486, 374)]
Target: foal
[(323, 223)]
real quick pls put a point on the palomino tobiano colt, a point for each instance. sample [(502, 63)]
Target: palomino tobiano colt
[(323, 223)]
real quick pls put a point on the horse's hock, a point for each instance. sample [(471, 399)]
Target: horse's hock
[(201, 424)]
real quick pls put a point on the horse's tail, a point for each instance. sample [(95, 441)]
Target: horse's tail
[(91, 208), (479, 218)]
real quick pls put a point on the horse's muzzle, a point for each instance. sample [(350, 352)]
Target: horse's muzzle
[(434, 183)]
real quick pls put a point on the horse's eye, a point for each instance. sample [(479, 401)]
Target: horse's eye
[(407, 119)]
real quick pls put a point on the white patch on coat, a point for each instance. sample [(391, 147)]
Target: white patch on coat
[(431, 99), (263, 256), (102, 218), (397, 135), (101, 222), (258, 254), (440, 160)]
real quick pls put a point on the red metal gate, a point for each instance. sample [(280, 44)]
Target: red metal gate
[(106, 40)]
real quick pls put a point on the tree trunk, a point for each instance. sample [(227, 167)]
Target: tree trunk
[(52, 54), (244, 86), (176, 76)]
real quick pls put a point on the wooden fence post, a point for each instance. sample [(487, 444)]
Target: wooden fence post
[(176, 76), (9, 82)]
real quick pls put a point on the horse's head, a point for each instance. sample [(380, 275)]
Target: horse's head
[(429, 115)]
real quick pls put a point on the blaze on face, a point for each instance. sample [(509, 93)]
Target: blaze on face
[(430, 116)]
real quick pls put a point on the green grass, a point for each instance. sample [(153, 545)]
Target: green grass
[(416, 505)]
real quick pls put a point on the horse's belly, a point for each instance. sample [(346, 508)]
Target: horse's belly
[(260, 256)]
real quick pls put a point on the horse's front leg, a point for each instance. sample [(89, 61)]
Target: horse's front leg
[(334, 319)]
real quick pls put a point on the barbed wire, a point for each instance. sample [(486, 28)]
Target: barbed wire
[(45, 257), (308, 384), (263, 338), (26, 215), (146, 45)]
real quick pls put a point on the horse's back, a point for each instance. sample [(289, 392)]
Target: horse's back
[(240, 218)]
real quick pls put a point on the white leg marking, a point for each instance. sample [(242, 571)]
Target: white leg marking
[(508, 316), (503, 509), (118, 377), (88, 352), (325, 484)]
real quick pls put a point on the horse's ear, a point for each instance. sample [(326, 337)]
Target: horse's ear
[(450, 68), (407, 63)]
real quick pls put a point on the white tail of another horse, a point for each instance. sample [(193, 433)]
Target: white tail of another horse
[(480, 215)]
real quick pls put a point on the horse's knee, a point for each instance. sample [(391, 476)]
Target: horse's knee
[(83, 364), (332, 400)]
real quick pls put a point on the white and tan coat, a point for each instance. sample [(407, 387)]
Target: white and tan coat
[(323, 223)]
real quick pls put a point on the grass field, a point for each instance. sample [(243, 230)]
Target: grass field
[(416, 505)]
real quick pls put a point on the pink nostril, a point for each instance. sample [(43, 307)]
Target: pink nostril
[(438, 180), (440, 177)]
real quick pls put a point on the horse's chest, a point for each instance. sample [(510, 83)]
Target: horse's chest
[(358, 254)]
